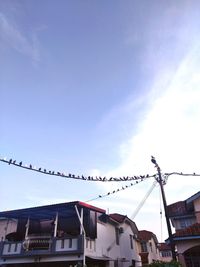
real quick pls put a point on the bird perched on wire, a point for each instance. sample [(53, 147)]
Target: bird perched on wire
[(20, 164), (153, 160)]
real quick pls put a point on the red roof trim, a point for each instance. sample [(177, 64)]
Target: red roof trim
[(83, 204)]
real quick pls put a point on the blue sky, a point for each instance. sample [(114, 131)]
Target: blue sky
[(97, 87)]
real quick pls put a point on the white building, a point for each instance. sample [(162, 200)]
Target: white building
[(67, 234), (149, 247)]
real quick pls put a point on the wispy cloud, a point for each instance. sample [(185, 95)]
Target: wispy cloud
[(13, 36), (170, 131)]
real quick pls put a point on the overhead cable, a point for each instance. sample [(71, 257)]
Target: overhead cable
[(31, 167)]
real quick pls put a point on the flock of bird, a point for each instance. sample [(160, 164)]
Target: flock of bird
[(92, 178), (73, 176)]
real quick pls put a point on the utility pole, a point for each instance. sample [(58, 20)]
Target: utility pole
[(160, 181)]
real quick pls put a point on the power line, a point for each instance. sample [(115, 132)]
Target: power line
[(31, 167), (115, 191), (183, 174)]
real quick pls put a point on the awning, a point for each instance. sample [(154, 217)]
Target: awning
[(64, 210)]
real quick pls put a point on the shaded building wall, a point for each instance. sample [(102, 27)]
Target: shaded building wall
[(7, 226), (197, 209)]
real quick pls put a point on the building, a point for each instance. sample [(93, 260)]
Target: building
[(185, 218), (165, 253), (128, 239), (67, 234), (149, 247)]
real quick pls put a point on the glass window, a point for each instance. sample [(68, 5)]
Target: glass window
[(144, 246), (186, 222), (117, 235), (131, 241), (166, 253)]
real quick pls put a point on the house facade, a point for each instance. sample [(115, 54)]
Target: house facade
[(149, 247), (165, 252), (67, 234), (185, 218)]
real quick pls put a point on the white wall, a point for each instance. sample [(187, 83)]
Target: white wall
[(105, 245), (153, 251)]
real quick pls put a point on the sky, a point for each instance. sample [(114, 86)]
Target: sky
[(96, 88)]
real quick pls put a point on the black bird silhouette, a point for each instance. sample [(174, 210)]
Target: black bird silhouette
[(39, 169), (45, 170), (10, 161), (20, 164), (30, 166), (14, 161), (153, 160)]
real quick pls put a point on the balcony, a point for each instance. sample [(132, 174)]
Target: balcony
[(41, 245)]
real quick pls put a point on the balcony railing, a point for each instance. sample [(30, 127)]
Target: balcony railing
[(41, 245)]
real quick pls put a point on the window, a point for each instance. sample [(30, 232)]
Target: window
[(166, 253), (131, 241), (150, 244), (117, 235), (186, 222), (144, 246)]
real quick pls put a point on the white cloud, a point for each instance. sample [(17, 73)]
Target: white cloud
[(17, 40), (170, 131)]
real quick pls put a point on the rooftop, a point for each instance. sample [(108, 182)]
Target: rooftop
[(49, 211)]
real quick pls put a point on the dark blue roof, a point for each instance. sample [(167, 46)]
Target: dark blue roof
[(64, 210)]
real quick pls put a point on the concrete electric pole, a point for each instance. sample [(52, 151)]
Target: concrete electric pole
[(160, 181)]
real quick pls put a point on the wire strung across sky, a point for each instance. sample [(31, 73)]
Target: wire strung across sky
[(115, 191), (138, 179), (30, 167)]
